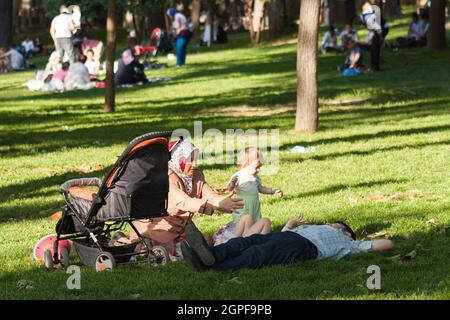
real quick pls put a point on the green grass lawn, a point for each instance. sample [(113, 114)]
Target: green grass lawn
[(379, 134)]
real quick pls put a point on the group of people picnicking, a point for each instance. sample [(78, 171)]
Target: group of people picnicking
[(377, 29), (247, 241), (16, 58), (75, 62)]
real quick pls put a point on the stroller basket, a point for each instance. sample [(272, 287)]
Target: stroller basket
[(88, 252)]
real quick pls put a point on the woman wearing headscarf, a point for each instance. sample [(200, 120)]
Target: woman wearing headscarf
[(182, 33), (189, 193), (129, 70)]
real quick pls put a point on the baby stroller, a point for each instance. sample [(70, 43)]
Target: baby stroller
[(159, 42), (135, 188)]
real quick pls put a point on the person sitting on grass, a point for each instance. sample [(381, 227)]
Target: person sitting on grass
[(189, 194), (354, 61), (247, 185), (348, 33), (129, 71), (296, 242), (92, 65), (57, 81), (13, 59), (329, 41), (415, 36)]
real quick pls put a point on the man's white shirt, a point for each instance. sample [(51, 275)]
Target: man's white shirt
[(62, 24)]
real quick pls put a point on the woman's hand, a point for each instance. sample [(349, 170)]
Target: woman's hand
[(227, 203)]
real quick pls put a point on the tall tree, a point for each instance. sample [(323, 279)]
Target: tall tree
[(307, 116), (196, 6), (6, 10), (258, 20), (277, 16), (110, 89), (436, 33)]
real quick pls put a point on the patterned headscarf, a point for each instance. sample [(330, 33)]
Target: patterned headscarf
[(180, 155)]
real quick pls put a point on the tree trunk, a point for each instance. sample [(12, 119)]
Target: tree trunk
[(436, 33), (257, 20), (276, 11), (392, 8), (248, 8), (195, 16), (6, 16), (110, 89), (307, 116), (342, 11)]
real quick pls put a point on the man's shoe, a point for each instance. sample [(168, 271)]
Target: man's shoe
[(196, 241), (191, 257)]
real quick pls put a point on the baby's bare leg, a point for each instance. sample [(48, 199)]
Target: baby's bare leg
[(262, 226), (244, 224)]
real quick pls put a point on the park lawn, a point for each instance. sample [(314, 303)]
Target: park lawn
[(380, 134)]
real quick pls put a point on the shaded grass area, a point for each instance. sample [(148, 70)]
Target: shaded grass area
[(380, 133)]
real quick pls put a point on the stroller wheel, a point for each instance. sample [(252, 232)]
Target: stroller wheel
[(105, 262), (64, 253), (48, 259), (158, 255)]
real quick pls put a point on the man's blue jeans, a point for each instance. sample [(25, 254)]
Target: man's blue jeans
[(260, 250), (181, 47)]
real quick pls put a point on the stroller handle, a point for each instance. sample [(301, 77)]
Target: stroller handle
[(83, 182)]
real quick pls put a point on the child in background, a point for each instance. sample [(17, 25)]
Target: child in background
[(62, 73), (247, 185), (57, 81), (91, 64)]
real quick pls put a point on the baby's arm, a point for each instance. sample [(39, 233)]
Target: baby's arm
[(266, 190)]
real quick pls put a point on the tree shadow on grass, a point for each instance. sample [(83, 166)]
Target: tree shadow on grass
[(331, 156), (370, 136), (336, 188)]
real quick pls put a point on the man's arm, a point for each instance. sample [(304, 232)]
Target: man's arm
[(294, 222), (52, 33), (382, 245)]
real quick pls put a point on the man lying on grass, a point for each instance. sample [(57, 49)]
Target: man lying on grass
[(297, 241)]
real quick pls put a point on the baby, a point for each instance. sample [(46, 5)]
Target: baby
[(247, 185)]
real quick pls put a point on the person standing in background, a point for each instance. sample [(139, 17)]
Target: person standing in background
[(61, 31), (181, 31), (371, 18)]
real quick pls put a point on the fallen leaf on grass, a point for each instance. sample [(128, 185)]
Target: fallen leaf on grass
[(135, 296), (377, 234), (47, 171), (83, 169), (438, 227), (411, 194), (405, 257), (25, 284), (56, 216), (235, 280)]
